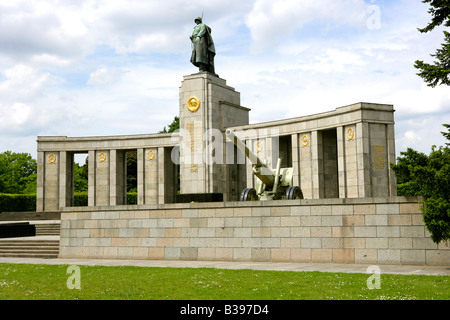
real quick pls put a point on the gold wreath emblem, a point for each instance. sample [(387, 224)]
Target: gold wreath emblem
[(305, 141), (102, 157), (51, 158), (193, 104), (259, 147), (150, 155), (350, 134)]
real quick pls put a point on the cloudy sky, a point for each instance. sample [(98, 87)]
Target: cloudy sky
[(114, 67)]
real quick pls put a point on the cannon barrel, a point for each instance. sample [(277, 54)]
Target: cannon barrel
[(260, 169)]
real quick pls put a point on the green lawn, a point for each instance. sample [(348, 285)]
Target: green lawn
[(42, 282)]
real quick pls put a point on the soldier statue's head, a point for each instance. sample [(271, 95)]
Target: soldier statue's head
[(198, 20)]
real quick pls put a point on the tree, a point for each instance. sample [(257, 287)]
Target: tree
[(447, 134), (175, 125), (428, 176), (407, 183), (131, 171), (80, 176), (439, 72), (18, 173)]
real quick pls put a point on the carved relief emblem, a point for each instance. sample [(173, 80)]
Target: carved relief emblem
[(305, 141), (259, 146), (102, 157), (350, 134), (193, 104), (51, 158)]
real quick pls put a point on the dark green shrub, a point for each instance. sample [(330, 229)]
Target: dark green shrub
[(132, 198), (80, 199), (17, 202)]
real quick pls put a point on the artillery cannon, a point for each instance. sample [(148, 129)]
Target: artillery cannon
[(270, 185)]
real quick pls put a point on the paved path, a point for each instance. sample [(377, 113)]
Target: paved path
[(322, 267)]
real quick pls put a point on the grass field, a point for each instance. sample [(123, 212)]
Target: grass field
[(49, 282)]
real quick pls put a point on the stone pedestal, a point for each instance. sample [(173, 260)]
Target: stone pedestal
[(207, 106)]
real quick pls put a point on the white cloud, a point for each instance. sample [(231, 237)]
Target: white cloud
[(45, 59), (103, 75), (411, 137), (22, 83), (420, 132), (272, 21), (16, 115), (72, 23), (423, 100), (334, 60), (20, 113), (33, 29), (159, 27)]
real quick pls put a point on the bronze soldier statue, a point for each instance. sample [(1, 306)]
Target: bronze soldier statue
[(203, 51)]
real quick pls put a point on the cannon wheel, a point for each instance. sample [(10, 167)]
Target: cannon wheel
[(294, 193), (249, 194)]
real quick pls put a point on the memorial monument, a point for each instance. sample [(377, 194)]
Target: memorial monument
[(203, 49), (343, 153), (342, 203)]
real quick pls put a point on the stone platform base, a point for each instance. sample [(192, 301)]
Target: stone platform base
[(368, 230)]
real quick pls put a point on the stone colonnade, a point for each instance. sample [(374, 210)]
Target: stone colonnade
[(344, 153), (106, 170)]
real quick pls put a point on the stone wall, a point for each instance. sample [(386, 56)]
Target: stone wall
[(369, 230)]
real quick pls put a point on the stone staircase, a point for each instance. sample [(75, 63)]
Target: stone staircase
[(44, 245), (15, 248), (47, 229)]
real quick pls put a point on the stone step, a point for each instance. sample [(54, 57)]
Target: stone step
[(47, 229), (4, 243), (47, 233), (21, 248), (37, 246), (25, 246), (28, 250), (48, 226), (29, 255)]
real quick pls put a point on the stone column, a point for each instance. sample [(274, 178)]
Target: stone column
[(305, 165), (363, 159), (156, 176), (317, 165), (166, 176), (382, 152), (40, 182), (342, 177), (295, 160), (66, 179), (140, 176), (151, 165), (391, 159), (92, 165), (161, 176), (350, 161), (271, 151), (51, 181), (102, 178)]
